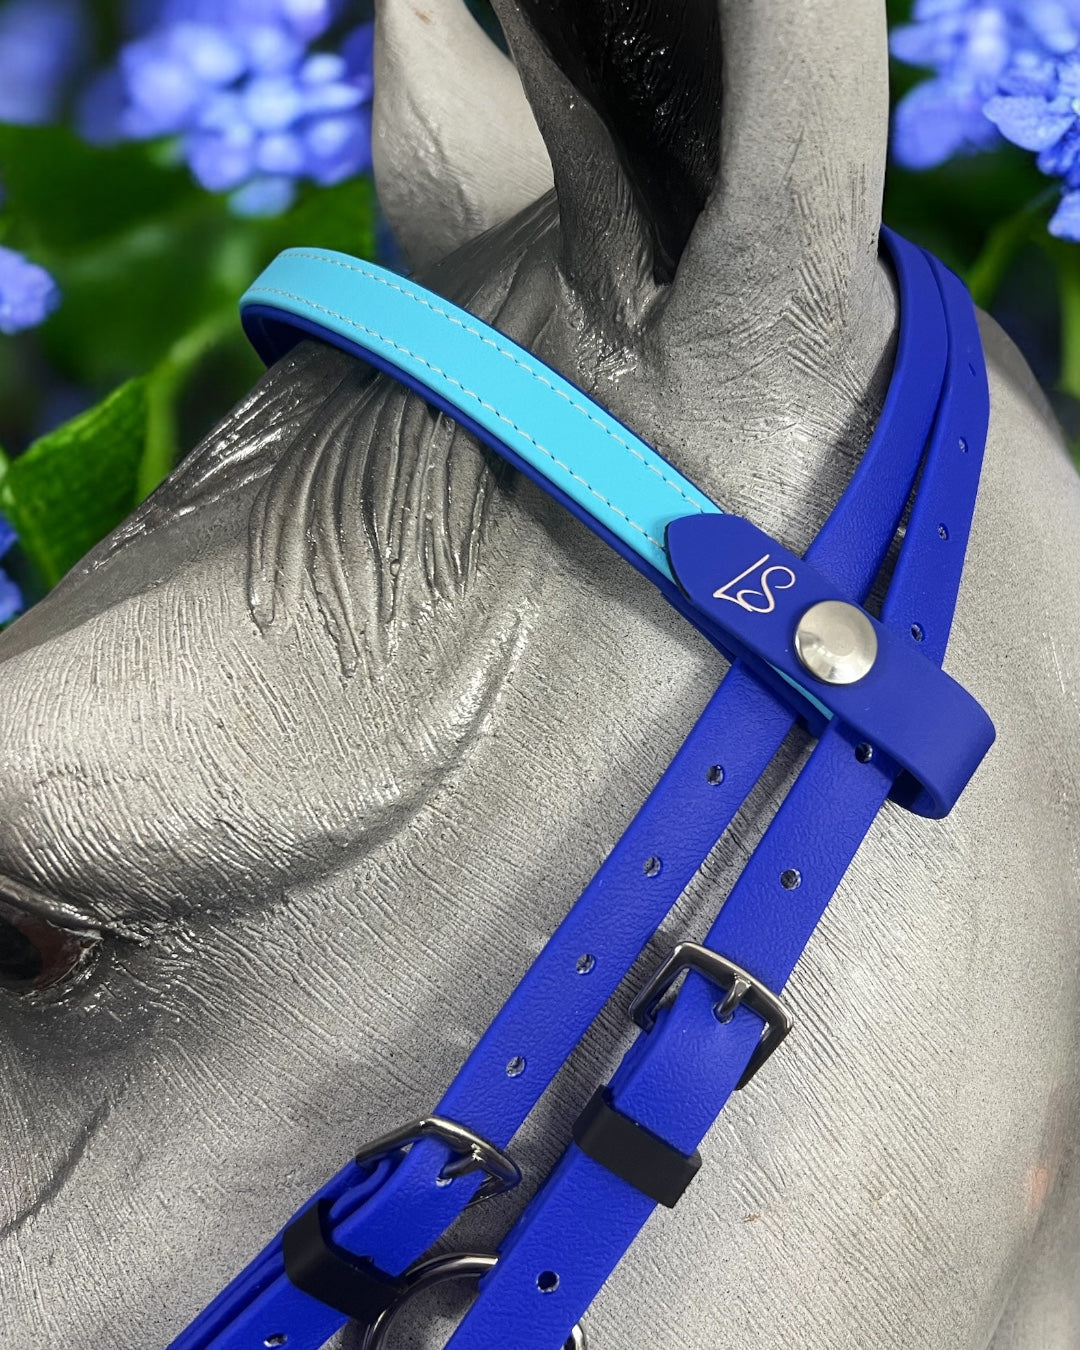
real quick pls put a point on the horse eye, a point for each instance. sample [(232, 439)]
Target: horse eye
[(35, 954)]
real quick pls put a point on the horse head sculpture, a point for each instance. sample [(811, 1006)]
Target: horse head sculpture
[(302, 765)]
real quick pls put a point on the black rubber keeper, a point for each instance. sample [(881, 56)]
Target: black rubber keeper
[(352, 1285), (633, 1153)]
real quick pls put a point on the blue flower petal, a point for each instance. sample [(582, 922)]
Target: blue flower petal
[(1065, 223), (934, 122), (42, 42), (11, 601), (1033, 123), (264, 196), (28, 295)]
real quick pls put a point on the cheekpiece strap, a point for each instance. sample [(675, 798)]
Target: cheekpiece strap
[(636, 1143)]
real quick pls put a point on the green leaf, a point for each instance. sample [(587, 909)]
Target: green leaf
[(77, 483), (65, 195)]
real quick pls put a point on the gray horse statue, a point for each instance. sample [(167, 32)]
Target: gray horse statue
[(302, 766)]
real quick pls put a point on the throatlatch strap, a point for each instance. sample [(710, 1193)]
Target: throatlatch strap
[(391, 1216)]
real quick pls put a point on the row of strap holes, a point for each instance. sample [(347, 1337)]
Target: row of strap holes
[(584, 965), (548, 1280), (791, 879), (653, 865)]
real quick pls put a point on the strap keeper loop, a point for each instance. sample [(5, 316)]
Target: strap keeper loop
[(317, 1266), (631, 1152)]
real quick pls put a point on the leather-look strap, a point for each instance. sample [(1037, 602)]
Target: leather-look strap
[(675, 1080), (533, 416), (393, 1220)]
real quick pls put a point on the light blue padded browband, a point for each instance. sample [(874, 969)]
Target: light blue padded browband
[(901, 727)]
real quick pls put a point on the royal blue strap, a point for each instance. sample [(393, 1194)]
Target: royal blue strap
[(756, 591), (395, 1221), (676, 1079), (610, 478)]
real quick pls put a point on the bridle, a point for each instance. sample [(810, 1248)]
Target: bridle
[(889, 723)]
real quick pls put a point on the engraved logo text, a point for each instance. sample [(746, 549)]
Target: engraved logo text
[(775, 578)]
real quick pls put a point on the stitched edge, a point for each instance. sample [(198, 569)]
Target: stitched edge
[(469, 393), (480, 335)]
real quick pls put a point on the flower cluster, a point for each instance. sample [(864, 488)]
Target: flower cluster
[(1001, 68), (42, 44), (11, 602), (27, 293), (255, 109)]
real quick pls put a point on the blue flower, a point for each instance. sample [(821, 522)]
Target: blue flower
[(1001, 68), (42, 42), (28, 294), (11, 601), (970, 45), (1042, 113), (255, 109)]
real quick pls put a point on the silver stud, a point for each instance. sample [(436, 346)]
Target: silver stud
[(836, 642)]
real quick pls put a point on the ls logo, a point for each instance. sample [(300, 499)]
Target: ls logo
[(775, 578)]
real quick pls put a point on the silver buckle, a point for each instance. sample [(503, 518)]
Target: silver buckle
[(473, 1153), (464, 1265), (740, 987)]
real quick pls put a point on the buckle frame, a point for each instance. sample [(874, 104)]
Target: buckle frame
[(473, 1153), (739, 986)]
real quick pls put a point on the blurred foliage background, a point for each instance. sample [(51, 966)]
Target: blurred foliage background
[(986, 215), (143, 351)]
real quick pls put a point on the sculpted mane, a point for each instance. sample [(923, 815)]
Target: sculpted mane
[(311, 894), (364, 494)]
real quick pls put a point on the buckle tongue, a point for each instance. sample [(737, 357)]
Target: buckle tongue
[(473, 1153), (740, 986)]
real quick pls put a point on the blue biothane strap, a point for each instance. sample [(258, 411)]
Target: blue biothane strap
[(394, 1215), (619, 485), (905, 705), (521, 407), (676, 1078)]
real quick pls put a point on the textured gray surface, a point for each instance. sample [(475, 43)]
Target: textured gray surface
[(326, 740)]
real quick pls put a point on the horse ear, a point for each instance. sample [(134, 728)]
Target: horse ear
[(627, 98), (455, 147)]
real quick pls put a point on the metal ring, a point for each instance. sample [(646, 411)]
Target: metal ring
[(462, 1265)]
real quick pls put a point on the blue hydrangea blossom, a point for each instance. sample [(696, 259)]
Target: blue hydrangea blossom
[(1000, 68), (42, 44), (256, 110), (11, 601), (28, 293)]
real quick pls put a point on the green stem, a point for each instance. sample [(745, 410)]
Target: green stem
[(164, 386), (1003, 243), (1068, 260)]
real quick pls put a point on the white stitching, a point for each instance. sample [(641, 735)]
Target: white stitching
[(469, 393), (488, 341)]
